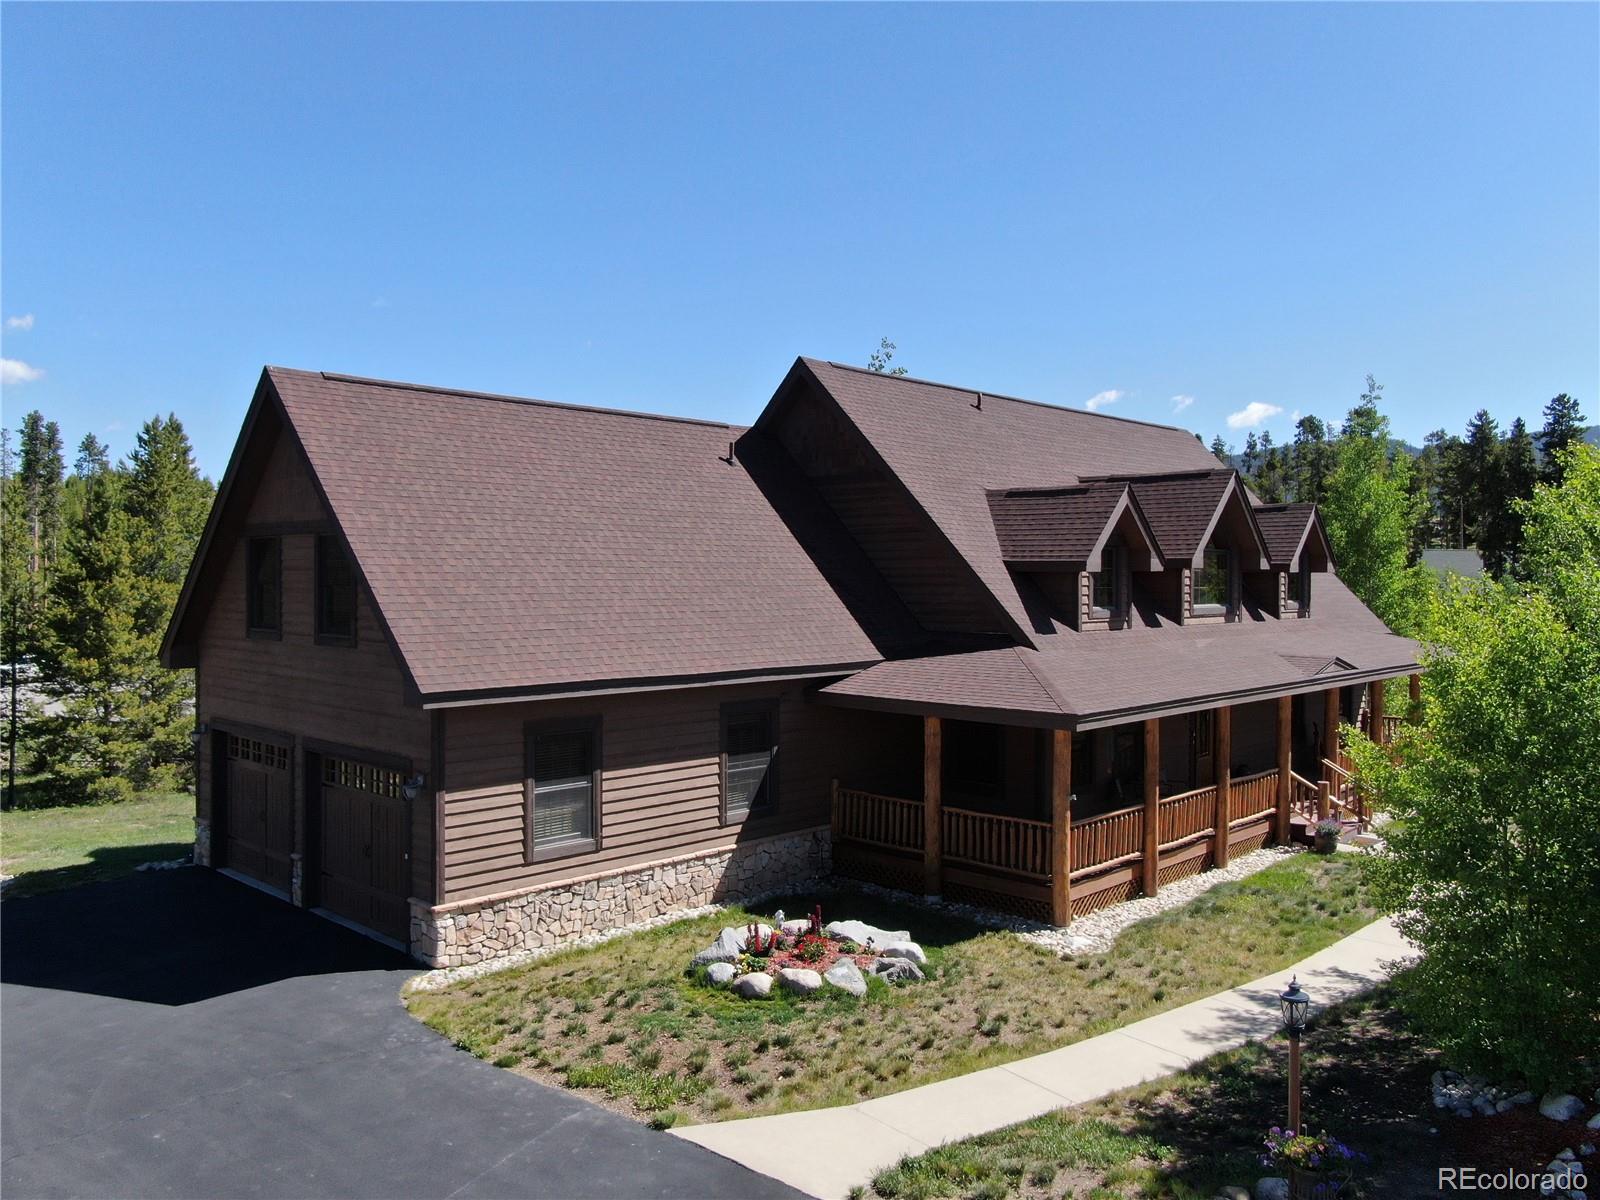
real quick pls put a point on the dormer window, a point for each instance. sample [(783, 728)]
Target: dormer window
[(1299, 585), (1212, 590), (1106, 590)]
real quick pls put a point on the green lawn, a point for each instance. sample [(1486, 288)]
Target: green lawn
[(48, 848), (1366, 1081), (625, 1024)]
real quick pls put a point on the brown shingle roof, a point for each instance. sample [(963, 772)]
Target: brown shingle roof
[(949, 454), (1106, 677), (1284, 528), (1180, 509), (515, 544), (1053, 525)]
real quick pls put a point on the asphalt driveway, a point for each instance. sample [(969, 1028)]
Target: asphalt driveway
[(180, 1034)]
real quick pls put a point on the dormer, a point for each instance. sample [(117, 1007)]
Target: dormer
[(1080, 545), (1297, 548), (1207, 540)]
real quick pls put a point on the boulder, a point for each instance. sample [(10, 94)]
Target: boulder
[(897, 970), (1586, 1149), (795, 927), (753, 986), (1233, 1192), (846, 975), (1272, 1187), (861, 933), (800, 980), (1594, 1121), (720, 973), (1522, 1098), (728, 946), (1561, 1107), (905, 950)]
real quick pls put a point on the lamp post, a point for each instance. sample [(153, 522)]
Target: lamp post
[(1296, 1005)]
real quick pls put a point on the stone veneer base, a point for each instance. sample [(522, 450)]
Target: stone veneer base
[(466, 932)]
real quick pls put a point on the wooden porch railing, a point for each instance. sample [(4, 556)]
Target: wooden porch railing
[(1344, 795), (1004, 843), (874, 820), (1251, 796), (1391, 728), (1302, 796), (1187, 816), (1107, 839)]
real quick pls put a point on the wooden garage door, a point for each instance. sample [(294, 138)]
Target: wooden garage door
[(259, 819), (363, 873)]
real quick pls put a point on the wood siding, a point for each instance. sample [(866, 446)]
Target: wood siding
[(661, 783), (350, 696)]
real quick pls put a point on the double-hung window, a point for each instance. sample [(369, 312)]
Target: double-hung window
[(264, 586), (336, 593), (1212, 583), (1105, 598), (562, 791), (749, 760)]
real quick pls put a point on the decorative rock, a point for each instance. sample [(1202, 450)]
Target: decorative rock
[(1560, 1108), (795, 928), (728, 946), (1586, 1149), (897, 970), (861, 933), (720, 973), (846, 975), (753, 986), (1233, 1192), (798, 979), (1522, 1098), (905, 950), (1272, 1187), (1503, 1106), (1484, 1106), (1594, 1121)]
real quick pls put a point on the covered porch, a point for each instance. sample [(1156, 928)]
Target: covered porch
[(1052, 823)]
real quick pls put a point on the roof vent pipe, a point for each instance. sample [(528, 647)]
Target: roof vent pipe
[(978, 403), (728, 457)]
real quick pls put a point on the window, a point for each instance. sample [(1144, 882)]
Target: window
[(1105, 599), (1211, 582), (1300, 589), (562, 788), (245, 749), (336, 594), (264, 585), (749, 760), (362, 777)]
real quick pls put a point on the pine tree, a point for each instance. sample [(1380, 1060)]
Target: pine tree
[(1310, 460), (15, 544), (1427, 527), (1481, 474), (1519, 472), (93, 457), (166, 500), (1222, 451), (124, 724), (1269, 480), (1454, 491), (1563, 425), (1250, 460), (1368, 511)]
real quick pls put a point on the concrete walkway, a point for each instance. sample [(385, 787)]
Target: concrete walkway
[(855, 1141)]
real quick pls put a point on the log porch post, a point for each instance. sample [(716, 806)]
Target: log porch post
[(1379, 735), (932, 806), (1152, 806), (1222, 756), (1285, 727), (1060, 826), (1330, 731)]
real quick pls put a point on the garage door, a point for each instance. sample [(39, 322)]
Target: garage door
[(258, 820), (363, 836)]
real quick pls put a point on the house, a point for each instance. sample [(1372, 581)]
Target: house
[(1468, 563), (477, 673)]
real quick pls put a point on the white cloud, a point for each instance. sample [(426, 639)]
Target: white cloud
[(1179, 403), (1101, 399), (14, 370), (25, 321), (1252, 414)]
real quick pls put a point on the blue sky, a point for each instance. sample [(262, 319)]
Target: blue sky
[(660, 207)]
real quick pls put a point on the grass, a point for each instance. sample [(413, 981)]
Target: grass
[(1184, 1137), (706, 1055), (50, 848)]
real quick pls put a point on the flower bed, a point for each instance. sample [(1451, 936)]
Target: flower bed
[(805, 955)]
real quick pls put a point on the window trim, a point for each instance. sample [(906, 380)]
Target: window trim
[(771, 707), (1111, 562), (251, 629), (333, 639), (1207, 608), (591, 725)]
